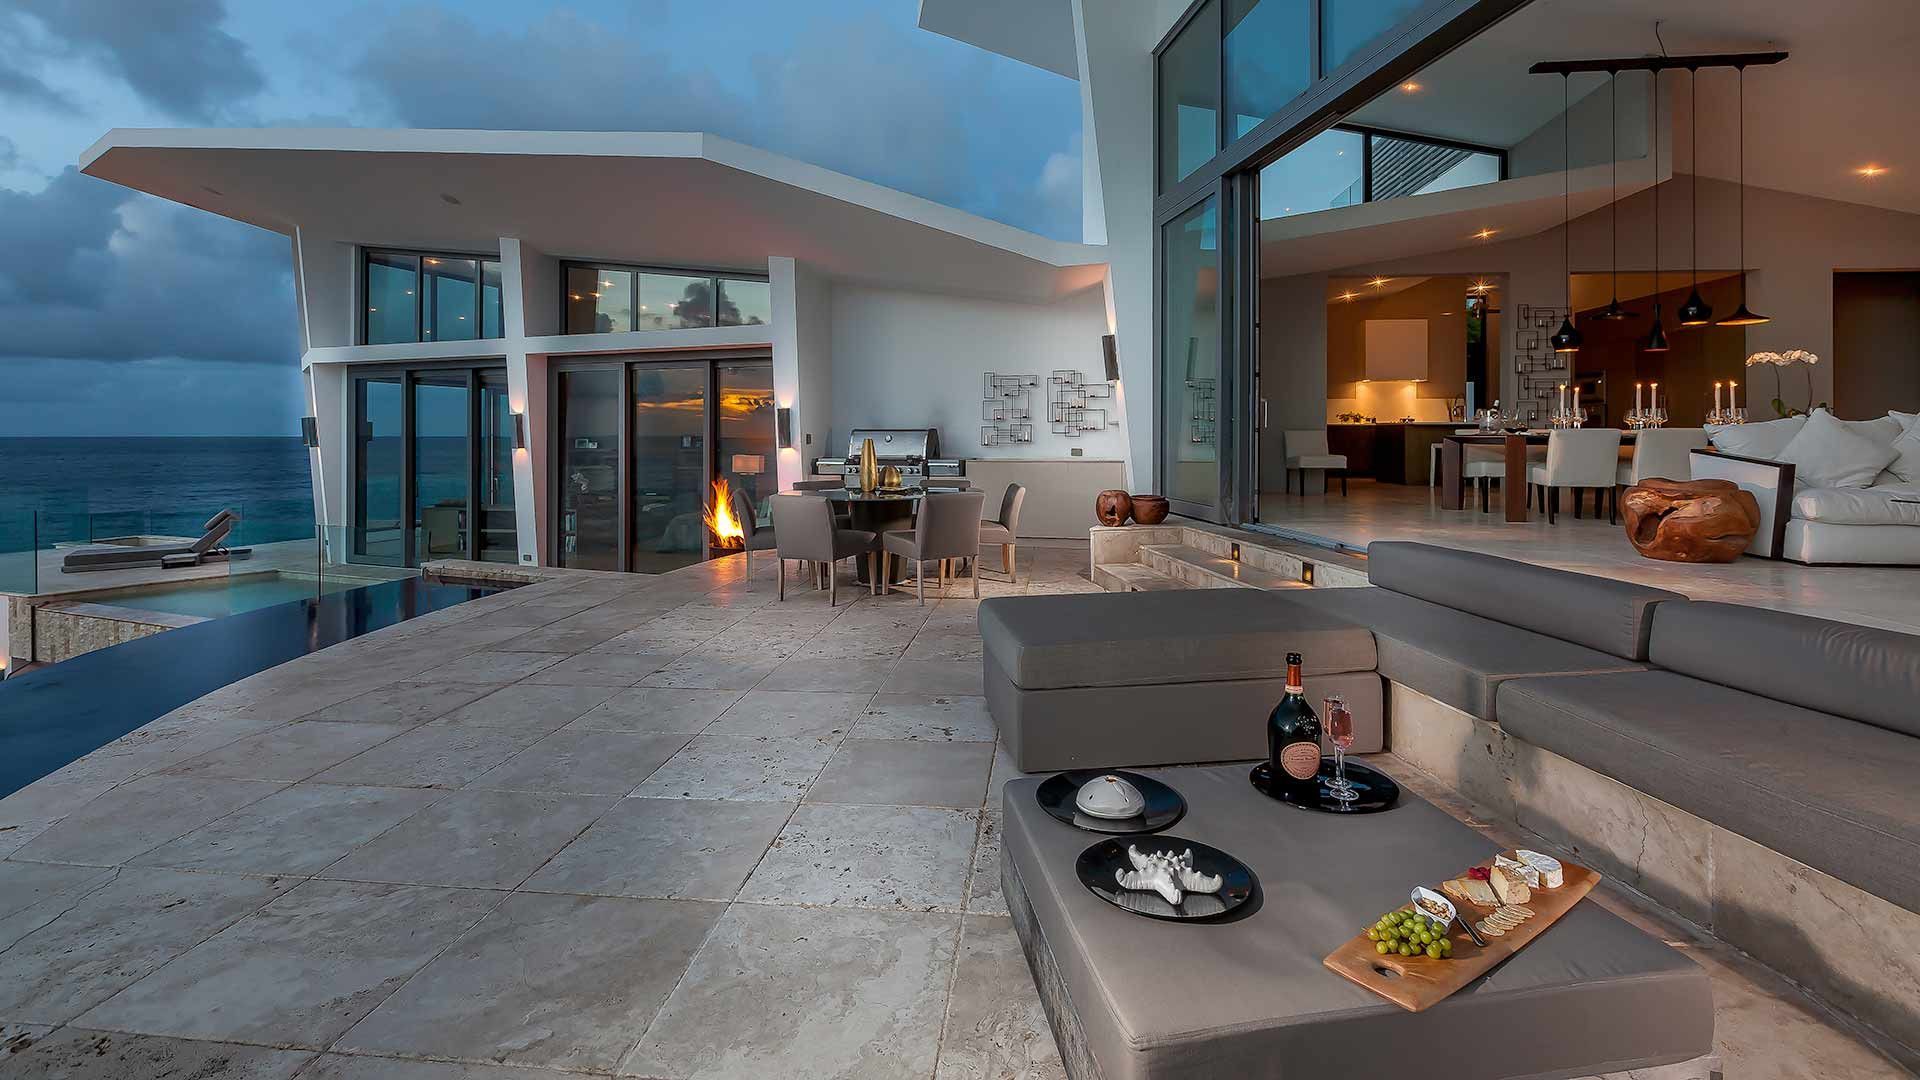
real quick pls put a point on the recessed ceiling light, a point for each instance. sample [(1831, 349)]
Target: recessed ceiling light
[(448, 199), (1379, 282), (1871, 171), (1485, 234), (1348, 296), (1410, 87)]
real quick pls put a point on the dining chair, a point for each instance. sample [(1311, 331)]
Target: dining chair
[(1307, 450), (1005, 529), (946, 527), (1578, 458), (756, 537), (805, 526), (1665, 453)]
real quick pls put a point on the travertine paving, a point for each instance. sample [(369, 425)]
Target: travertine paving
[(602, 825)]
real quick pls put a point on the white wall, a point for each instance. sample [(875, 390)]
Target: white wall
[(907, 359), (328, 278)]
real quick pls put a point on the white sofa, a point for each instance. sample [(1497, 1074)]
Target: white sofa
[(1831, 491)]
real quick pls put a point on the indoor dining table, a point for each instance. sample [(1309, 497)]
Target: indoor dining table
[(1513, 483)]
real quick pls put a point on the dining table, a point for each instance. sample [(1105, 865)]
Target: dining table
[(1513, 483), (879, 511)]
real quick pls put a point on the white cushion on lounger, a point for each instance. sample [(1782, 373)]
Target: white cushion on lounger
[(1829, 452), (1882, 504), (1763, 440)]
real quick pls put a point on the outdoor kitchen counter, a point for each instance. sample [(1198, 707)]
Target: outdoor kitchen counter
[(1060, 490)]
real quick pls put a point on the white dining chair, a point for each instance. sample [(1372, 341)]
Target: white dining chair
[(1663, 453), (1307, 450), (1578, 458)]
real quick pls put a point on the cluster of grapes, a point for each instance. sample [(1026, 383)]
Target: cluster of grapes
[(1409, 933)]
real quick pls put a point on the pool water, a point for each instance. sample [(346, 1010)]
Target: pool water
[(218, 597)]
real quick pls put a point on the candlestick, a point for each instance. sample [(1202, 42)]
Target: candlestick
[(1653, 396), (1638, 390), (1733, 399), (1716, 397), (1576, 401)]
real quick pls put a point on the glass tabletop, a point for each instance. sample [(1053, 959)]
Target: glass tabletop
[(848, 495)]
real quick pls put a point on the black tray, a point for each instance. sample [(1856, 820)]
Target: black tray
[(1164, 805), (1376, 790), (1097, 865)]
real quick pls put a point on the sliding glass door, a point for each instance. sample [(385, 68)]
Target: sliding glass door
[(684, 425), (1190, 369), (432, 446)]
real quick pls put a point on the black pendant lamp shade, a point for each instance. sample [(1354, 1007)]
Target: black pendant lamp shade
[(1741, 316), (1695, 312), (1613, 311), (1566, 339), (1657, 337)]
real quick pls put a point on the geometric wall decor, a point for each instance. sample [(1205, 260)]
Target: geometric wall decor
[(1068, 411), (1540, 369), (1007, 408)]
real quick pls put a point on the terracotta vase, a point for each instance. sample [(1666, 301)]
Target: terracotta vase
[(1149, 509), (1112, 507)]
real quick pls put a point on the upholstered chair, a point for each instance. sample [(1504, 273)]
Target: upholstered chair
[(758, 537), (1005, 529), (1577, 458), (1661, 453), (806, 529), (946, 527), (1307, 450)]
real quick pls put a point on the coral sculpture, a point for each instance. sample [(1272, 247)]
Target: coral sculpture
[(1170, 875)]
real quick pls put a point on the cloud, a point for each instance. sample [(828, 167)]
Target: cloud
[(23, 89), (160, 396), (172, 53), (91, 271)]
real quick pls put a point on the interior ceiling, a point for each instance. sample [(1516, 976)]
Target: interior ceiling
[(1841, 101), (1591, 291), (1364, 288), (1037, 32)]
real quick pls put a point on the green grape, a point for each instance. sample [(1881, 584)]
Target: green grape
[(1383, 948)]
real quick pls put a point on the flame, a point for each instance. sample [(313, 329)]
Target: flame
[(727, 530)]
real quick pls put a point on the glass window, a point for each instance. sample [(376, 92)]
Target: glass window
[(599, 300), (1190, 97), (1403, 167), (1346, 26), (392, 307), (674, 302), (590, 414), (498, 528), (447, 305), (745, 302), (1326, 171), (1190, 356), (440, 518), (746, 445), (379, 456), (669, 466), (492, 323), (1268, 55)]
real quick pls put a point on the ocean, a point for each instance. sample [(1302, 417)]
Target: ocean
[(82, 489)]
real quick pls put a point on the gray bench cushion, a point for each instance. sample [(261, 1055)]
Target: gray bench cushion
[(1251, 997), (1601, 613), (1452, 656), (1859, 672), (1833, 793), (1182, 636)]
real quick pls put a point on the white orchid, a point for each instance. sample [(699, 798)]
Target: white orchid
[(1782, 359)]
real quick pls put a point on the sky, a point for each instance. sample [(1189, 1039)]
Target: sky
[(122, 314)]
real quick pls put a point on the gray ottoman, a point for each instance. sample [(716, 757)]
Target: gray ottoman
[(1131, 998), (1163, 678)]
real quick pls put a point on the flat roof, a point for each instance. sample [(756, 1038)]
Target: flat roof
[(665, 198)]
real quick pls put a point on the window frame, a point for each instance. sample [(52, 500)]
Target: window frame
[(713, 276), (364, 282)]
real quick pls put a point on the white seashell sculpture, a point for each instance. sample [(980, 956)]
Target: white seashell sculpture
[(1170, 875), (1110, 797)]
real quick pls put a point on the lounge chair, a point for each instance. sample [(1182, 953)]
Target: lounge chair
[(169, 556)]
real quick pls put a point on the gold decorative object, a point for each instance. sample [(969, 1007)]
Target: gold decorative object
[(890, 478), (869, 466)]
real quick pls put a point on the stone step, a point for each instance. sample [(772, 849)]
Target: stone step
[(1133, 577), (1205, 570)]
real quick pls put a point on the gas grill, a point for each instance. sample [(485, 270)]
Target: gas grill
[(914, 451)]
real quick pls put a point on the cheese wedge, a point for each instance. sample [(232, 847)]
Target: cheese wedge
[(1509, 886), (1470, 890), (1552, 874), (1527, 873)]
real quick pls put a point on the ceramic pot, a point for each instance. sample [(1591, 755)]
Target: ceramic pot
[(1149, 509), (1112, 507)]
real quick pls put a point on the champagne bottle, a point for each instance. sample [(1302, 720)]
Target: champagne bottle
[(1293, 741)]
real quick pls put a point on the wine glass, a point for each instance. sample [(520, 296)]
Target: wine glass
[(1340, 734)]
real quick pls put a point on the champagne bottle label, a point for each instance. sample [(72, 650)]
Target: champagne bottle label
[(1301, 760)]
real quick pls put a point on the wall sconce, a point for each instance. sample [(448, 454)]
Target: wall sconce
[(1233, 552), (1110, 348), (310, 432), (1306, 573), (783, 425), (519, 431)]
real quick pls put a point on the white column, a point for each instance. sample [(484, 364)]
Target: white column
[(802, 360), (522, 272)]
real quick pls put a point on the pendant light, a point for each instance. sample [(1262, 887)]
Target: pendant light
[(1657, 338), (1741, 316), (1613, 310), (1566, 339), (1695, 312)]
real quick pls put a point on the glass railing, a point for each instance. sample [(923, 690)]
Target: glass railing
[(19, 556)]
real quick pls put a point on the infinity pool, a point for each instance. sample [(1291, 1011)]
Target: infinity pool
[(217, 597)]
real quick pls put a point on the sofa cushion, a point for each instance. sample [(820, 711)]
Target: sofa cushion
[(1762, 440), (1452, 656), (1186, 635), (1250, 997), (1905, 468), (1832, 793), (1600, 613), (1881, 504), (1859, 672), (1827, 453)]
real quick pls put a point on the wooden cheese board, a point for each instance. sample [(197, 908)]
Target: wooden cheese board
[(1417, 982)]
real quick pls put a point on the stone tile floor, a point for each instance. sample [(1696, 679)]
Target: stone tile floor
[(602, 825)]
